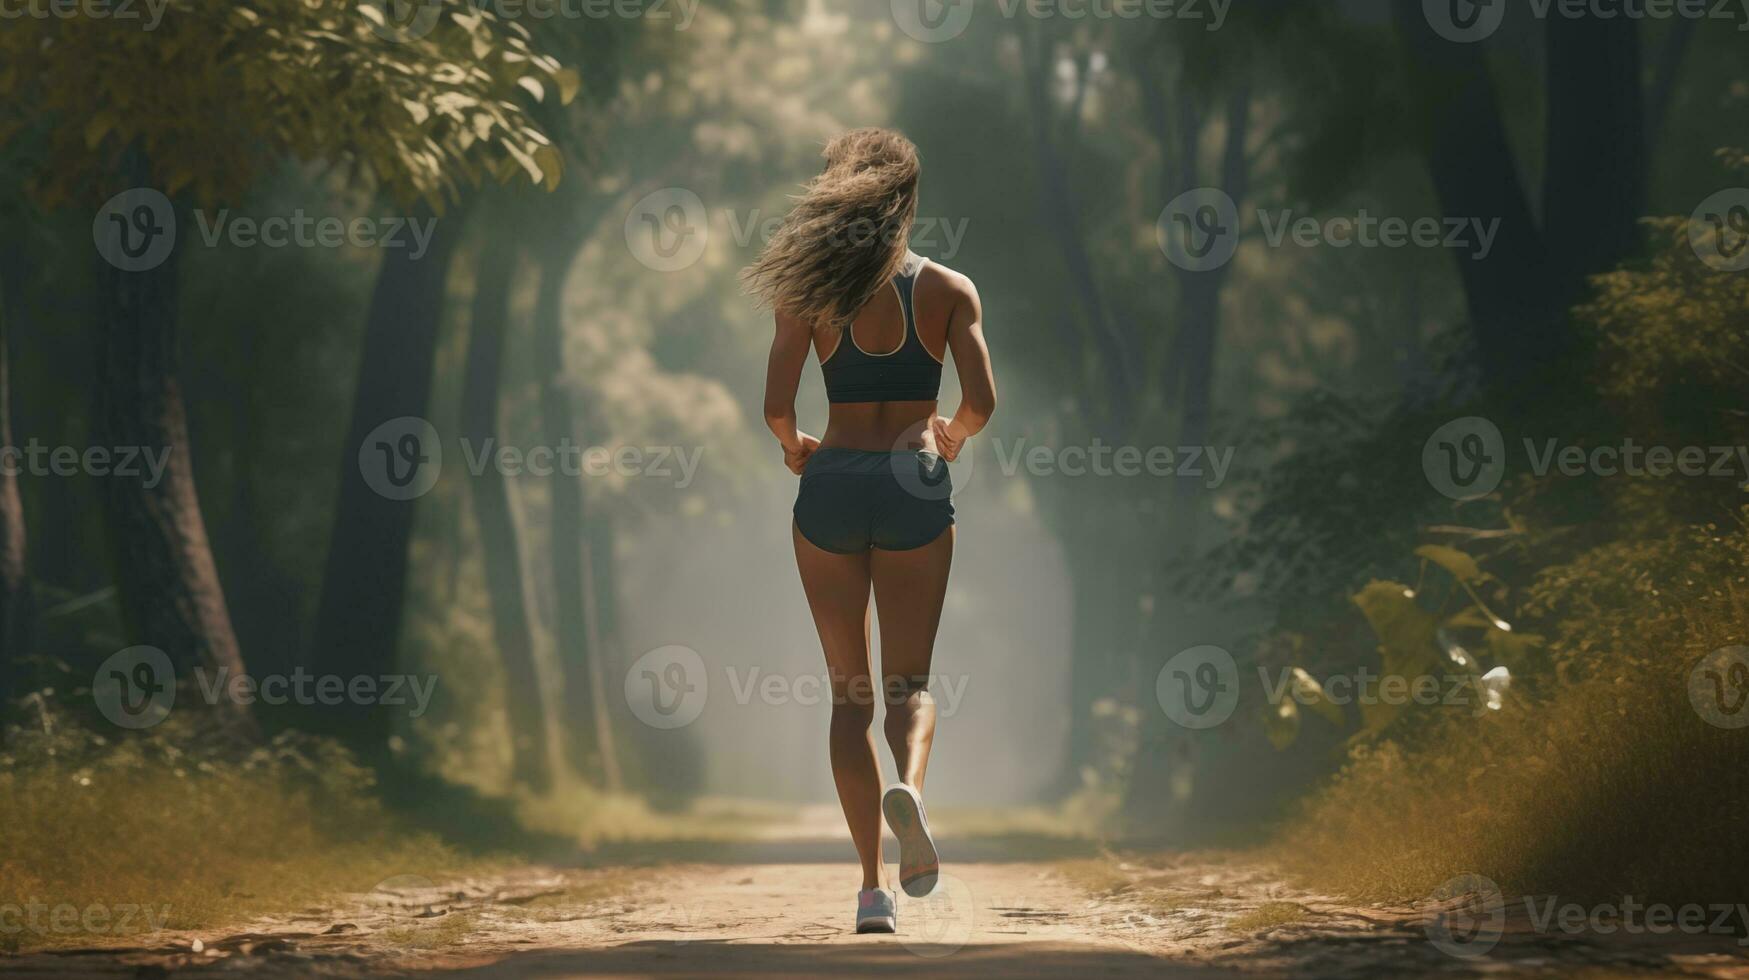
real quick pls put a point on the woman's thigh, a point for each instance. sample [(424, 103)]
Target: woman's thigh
[(837, 587), (909, 588)]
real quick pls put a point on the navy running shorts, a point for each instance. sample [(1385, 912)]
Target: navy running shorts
[(852, 500)]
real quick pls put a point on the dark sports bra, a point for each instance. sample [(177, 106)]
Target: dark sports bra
[(910, 373)]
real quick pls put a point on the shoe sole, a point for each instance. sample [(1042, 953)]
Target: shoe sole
[(919, 864), (886, 925)]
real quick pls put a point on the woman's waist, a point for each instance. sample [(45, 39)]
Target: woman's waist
[(904, 467), (880, 427)]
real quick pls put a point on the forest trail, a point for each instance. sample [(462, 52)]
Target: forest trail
[(783, 907)]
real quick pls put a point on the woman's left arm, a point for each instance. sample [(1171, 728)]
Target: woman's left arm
[(783, 374)]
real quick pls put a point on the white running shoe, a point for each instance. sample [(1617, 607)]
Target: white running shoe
[(876, 911), (919, 864)]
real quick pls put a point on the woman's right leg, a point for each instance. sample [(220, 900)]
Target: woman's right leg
[(837, 587)]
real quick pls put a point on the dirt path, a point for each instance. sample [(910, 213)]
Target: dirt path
[(783, 909)]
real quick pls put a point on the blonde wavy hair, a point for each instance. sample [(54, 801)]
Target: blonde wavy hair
[(847, 235)]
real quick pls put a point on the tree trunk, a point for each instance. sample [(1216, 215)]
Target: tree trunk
[(1199, 313), (15, 594), (1520, 334), (1063, 217), (1664, 78), (576, 617), (494, 514), (601, 594), (358, 621), (165, 576), (1594, 180)]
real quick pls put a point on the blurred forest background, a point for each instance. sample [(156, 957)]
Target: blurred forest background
[(545, 151)]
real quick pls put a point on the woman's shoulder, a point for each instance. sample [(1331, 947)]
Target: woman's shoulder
[(937, 280)]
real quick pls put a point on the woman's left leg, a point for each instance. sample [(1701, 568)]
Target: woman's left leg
[(837, 587), (909, 588)]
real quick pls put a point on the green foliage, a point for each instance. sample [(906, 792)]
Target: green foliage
[(1598, 777), (217, 91), (187, 826), (1672, 318)]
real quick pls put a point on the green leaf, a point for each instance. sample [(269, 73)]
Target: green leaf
[(1406, 645), (569, 83), (1459, 564), (552, 166)]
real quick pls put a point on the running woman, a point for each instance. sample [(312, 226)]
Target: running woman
[(873, 510)]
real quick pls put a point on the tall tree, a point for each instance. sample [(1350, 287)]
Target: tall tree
[(576, 613), (495, 514), (15, 592), (193, 110), (165, 575), (364, 587), (1593, 183)]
